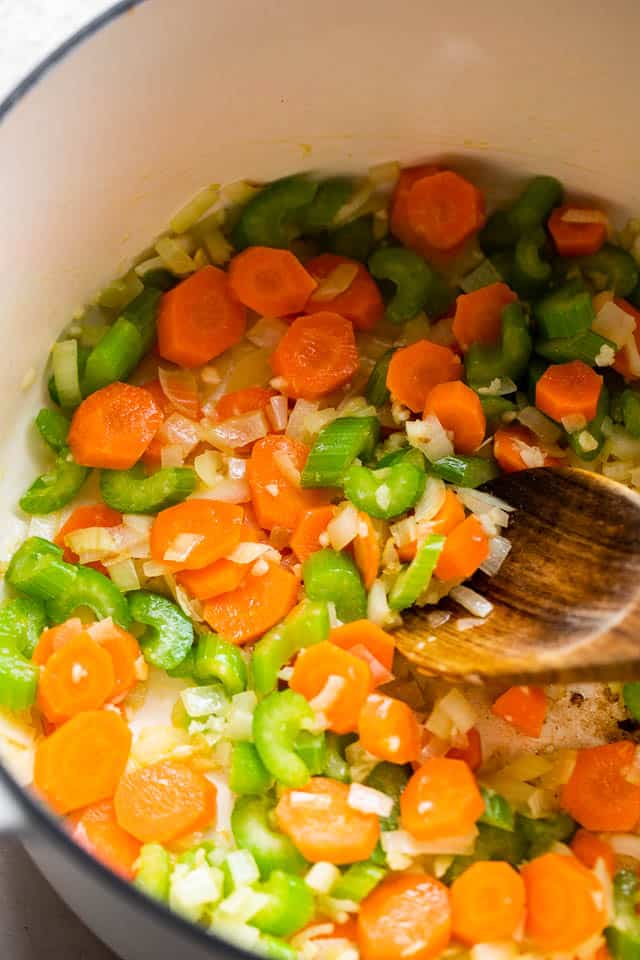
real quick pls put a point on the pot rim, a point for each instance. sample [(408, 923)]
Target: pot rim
[(44, 819)]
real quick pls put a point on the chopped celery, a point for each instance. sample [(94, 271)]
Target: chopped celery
[(53, 427), (376, 390), (153, 871), (218, 659), (18, 681), (586, 346), (252, 830), (588, 443), (565, 312), (272, 217), (169, 634), (497, 810), (21, 622), (631, 695), (492, 843), (355, 239), (540, 835), (484, 363), (333, 577), (120, 292), (307, 624), (415, 578), (289, 908), (631, 411), (336, 447), (385, 492), (464, 471), (336, 765), (358, 881), (418, 286), (54, 490), (389, 778), (277, 721), (482, 276), (330, 196), (131, 491), (248, 774), (312, 749), (623, 934)]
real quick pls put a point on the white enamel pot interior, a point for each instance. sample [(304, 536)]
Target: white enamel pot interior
[(99, 146)]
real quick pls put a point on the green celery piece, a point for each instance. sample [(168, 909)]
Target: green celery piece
[(21, 622), (530, 274), (611, 268), (336, 447), (623, 934), (154, 872), (631, 412), (564, 312), (290, 906), (169, 634), (252, 830), (354, 240), (404, 483), (484, 363), (497, 810), (336, 765), (418, 286), (248, 774), (404, 454), (277, 721), (535, 203), (306, 625), (584, 346), (415, 578), (495, 407), (358, 881), (274, 948), (83, 354), (218, 659), (330, 196), (53, 427), (492, 843), (631, 696), (18, 681), (131, 491), (482, 276), (330, 576), (54, 490), (540, 835), (464, 471), (389, 778), (312, 750), (272, 218), (376, 390), (498, 233)]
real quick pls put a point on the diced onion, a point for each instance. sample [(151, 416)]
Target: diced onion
[(548, 432), (337, 282), (504, 950), (322, 877), (236, 431), (207, 465), (124, 575), (385, 174), (242, 867), (152, 569), (329, 694), (174, 256), (236, 468), (179, 430), (405, 531), (499, 387), (574, 422), (189, 215), (287, 467), (296, 427), (180, 387), (614, 323), (316, 801), (353, 207), (621, 444), (248, 552), (499, 548), (147, 266), (451, 714), (228, 491), (468, 623), (278, 412), (173, 455), (96, 542), (360, 761), (625, 844), (430, 437), (210, 375), (378, 610), (367, 800), (581, 215), (471, 601), (532, 457), (431, 500), (344, 527), (402, 842), (181, 546), (267, 332)]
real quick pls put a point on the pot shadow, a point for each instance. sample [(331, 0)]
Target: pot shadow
[(34, 922)]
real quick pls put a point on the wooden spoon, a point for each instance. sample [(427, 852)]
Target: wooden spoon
[(567, 598)]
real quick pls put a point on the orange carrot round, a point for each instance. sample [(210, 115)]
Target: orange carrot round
[(164, 801), (124, 651), (305, 539), (361, 302), (77, 677), (525, 708), (449, 516), (316, 355), (441, 800), (589, 849), (415, 370), (82, 761), (323, 826), (363, 632), (487, 903), (565, 903), (407, 915), (399, 213), (218, 524), (366, 550), (575, 239), (565, 389), (444, 210), (93, 515), (272, 282), (113, 427), (472, 753), (96, 829), (388, 729), (221, 576), (277, 497), (199, 319), (459, 410), (507, 448), (314, 669), (478, 314), (465, 549), (53, 638), (255, 606), (243, 401), (598, 794)]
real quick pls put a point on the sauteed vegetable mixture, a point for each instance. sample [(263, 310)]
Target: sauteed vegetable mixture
[(269, 440)]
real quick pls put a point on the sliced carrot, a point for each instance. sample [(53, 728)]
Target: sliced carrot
[(53, 638), (525, 708), (449, 516), (622, 363), (407, 915), (487, 903), (113, 427), (219, 577), (93, 515), (313, 675), (599, 795), (388, 729), (277, 499), (565, 903), (441, 800), (124, 651), (415, 370), (589, 849), (399, 213), (565, 389), (317, 354), (478, 314), (363, 632), (361, 302), (367, 550), (472, 753), (323, 826), (76, 678), (255, 606), (243, 401), (96, 829), (444, 210), (465, 549), (575, 239), (459, 410), (200, 319), (82, 762), (217, 524), (305, 539), (154, 387), (510, 442), (164, 801), (272, 282)]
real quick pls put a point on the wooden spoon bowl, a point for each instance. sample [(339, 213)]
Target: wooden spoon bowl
[(566, 599)]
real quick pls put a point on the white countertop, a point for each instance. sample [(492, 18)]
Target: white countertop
[(34, 923)]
